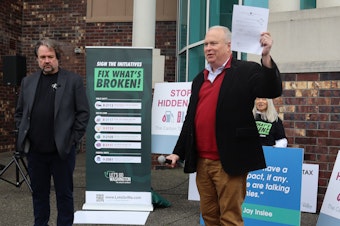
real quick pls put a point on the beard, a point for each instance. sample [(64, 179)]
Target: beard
[(49, 69)]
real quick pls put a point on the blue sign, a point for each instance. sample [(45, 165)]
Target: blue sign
[(274, 193)]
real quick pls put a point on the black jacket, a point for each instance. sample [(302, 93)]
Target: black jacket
[(71, 111), (237, 137)]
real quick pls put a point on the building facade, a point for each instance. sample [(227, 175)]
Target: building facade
[(305, 48)]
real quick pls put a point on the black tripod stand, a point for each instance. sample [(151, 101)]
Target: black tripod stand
[(20, 166), (15, 65)]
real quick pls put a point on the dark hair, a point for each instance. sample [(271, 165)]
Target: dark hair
[(50, 44)]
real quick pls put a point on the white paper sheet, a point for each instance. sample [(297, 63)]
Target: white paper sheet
[(247, 25)]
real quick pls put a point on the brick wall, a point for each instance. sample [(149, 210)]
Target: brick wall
[(60, 20), (166, 41), (309, 107), (10, 44), (25, 22)]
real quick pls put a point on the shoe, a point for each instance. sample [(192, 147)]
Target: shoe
[(2, 167)]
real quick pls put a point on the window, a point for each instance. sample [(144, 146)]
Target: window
[(194, 18), (182, 61), (304, 4), (221, 12), (307, 4), (196, 61), (256, 3), (183, 24), (197, 20)]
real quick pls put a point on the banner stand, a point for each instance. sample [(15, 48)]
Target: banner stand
[(118, 137), (144, 203)]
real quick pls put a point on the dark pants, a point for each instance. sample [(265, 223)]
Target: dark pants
[(41, 168)]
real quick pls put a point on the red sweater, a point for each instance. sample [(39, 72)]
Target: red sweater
[(205, 120)]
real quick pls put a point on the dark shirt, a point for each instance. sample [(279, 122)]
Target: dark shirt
[(41, 133), (270, 131)]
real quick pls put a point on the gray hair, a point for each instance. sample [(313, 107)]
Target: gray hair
[(50, 43), (225, 30), (270, 115)]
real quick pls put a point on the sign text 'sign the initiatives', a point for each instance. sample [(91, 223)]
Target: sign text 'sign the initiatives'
[(118, 79)]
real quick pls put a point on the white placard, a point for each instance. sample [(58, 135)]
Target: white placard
[(169, 107), (111, 217), (330, 210), (193, 192), (309, 187)]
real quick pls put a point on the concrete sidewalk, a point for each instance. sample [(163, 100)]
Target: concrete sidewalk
[(171, 184)]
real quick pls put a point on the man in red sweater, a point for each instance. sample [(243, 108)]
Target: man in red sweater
[(219, 138)]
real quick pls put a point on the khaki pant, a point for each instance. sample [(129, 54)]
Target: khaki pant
[(221, 195)]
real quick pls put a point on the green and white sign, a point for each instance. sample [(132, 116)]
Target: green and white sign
[(118, 139)]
